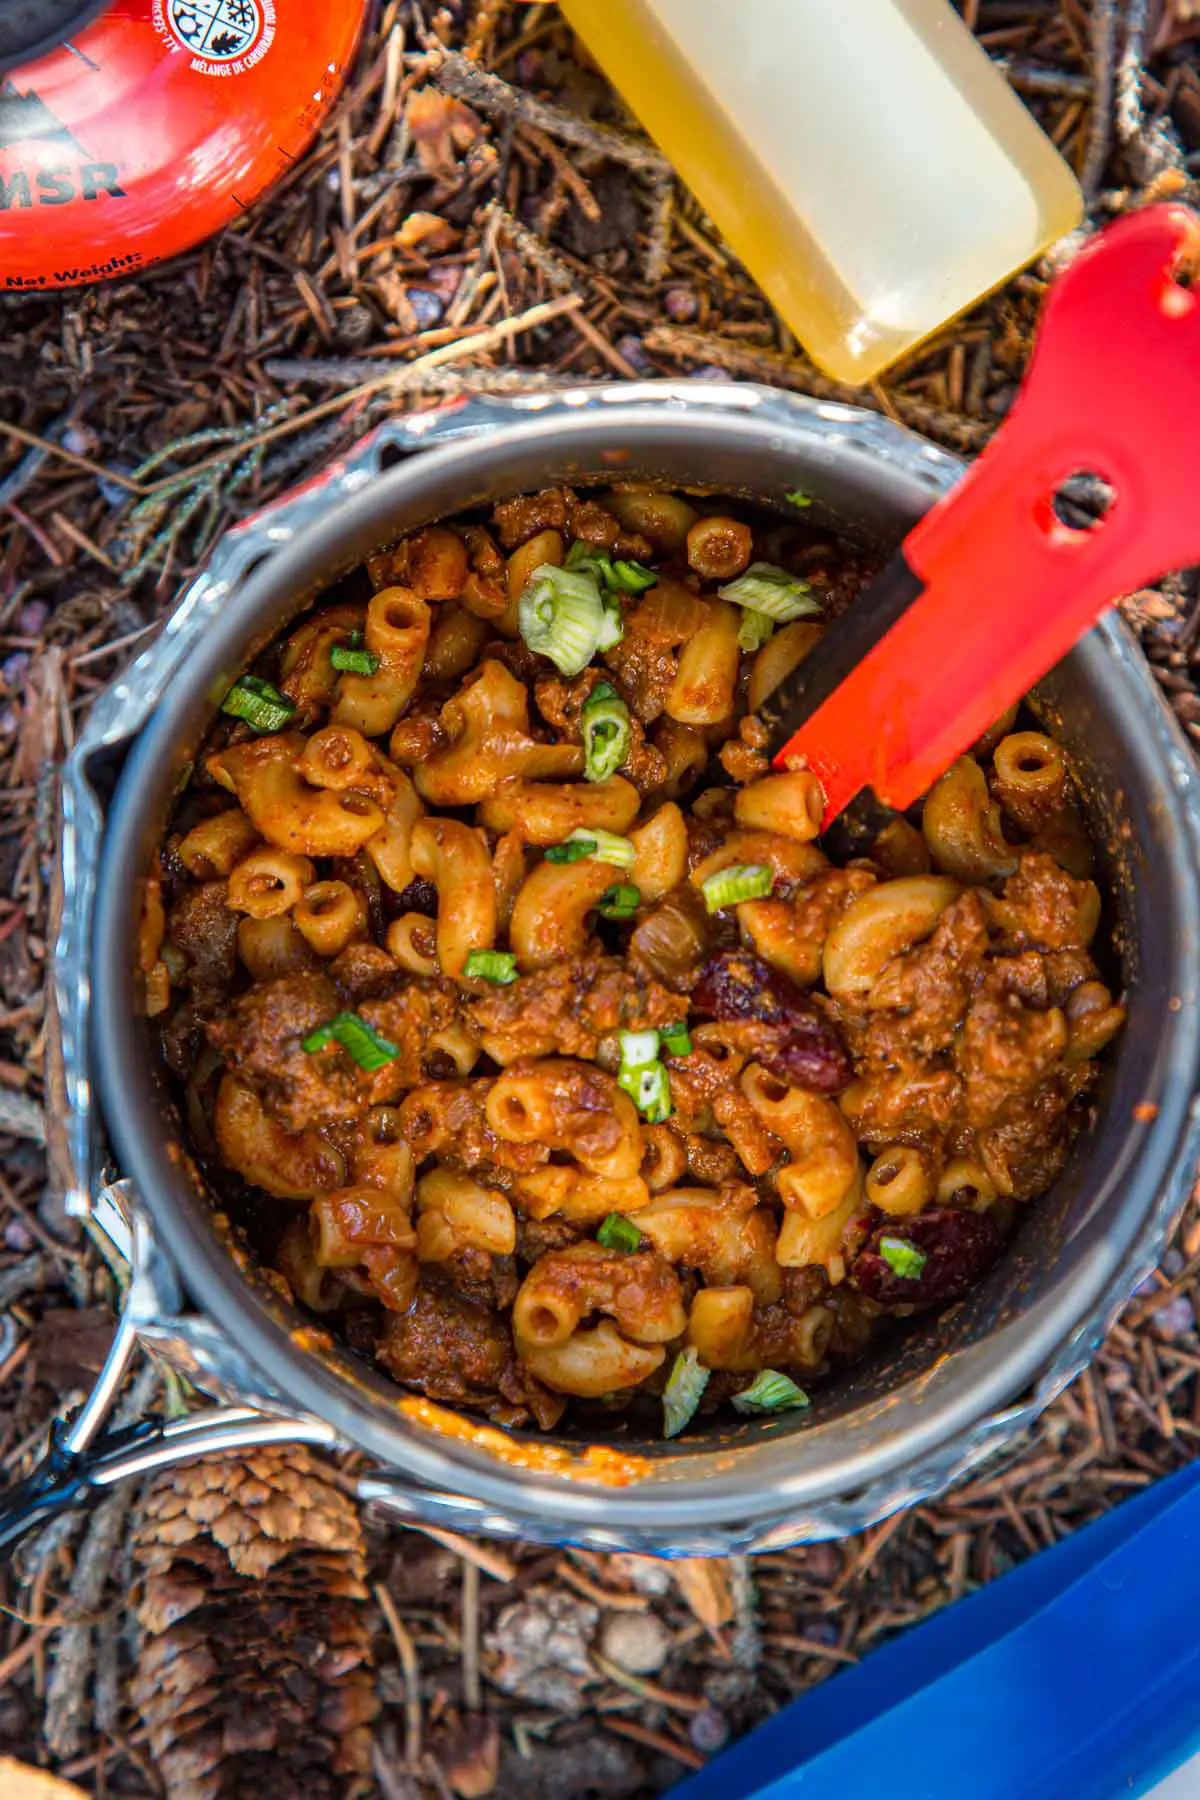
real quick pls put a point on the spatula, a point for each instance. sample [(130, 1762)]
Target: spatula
[(992, 587)]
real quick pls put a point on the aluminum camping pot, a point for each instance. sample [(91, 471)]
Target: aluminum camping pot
[(928, 1406)]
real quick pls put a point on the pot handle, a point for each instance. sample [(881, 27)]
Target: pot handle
[(86, 1456)]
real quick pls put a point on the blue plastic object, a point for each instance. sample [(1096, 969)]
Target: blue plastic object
[(1074, 1677)]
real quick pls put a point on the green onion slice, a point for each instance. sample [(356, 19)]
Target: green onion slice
[(621, 577), (619, 902), (574, 849), (602, 846), (499, 966), (638, 1048), (632, 577), (754, 629), (684, 1391), (676, 1040), (902, 1258), (618, 1233), (766, 589), (770, 1392), (353, 661), (649, 1088), (612, 629), (798, 498), (369, 1049), (742, 881), (263, 707), (606, 732), (561, 616)]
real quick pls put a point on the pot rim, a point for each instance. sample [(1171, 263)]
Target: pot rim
[(955, 1407)]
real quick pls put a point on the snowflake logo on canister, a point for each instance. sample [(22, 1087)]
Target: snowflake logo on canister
[(223, 37)]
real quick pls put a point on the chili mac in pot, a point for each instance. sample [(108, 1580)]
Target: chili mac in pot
[(503, 1052)]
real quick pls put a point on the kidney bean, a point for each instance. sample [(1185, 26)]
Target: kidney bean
[(959, 1248), (798, 1043)]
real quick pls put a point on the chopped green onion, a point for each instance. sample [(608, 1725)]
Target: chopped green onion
[(754, 629), (577, 846), (369, 1049), (902, 1258), (766, 589), (499, 966), (612, 629), (684, 1391), (742, 881), (633, 577), (263, 707), (561, 616), (770, 1392), (591, 559), (622, 577), (602, 846), (798, 498), (353, 661), (618, 1233), (606, 732), (619, 902), (676, 1040), (638, 1048), (649, 1088)]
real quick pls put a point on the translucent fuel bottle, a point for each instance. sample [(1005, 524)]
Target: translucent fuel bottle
[(864, 158)]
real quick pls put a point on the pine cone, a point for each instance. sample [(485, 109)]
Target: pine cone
[(254, 1676)]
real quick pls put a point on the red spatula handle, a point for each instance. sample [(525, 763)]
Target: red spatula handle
[(1113, 389)]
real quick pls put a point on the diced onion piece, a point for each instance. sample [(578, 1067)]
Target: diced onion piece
[(902, 1258), (676, 1040), (263, 707), (561, 616), (766, 589), (684, 1391), (798, 498), (741, 881), (770, 1392), (612, 630), (607, 731), (618, 1233), (499, 966), (572, 849)]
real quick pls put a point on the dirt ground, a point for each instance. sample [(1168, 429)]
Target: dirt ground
[(479, 214)]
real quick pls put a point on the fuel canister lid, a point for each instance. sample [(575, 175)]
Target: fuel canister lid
[(152, 123)]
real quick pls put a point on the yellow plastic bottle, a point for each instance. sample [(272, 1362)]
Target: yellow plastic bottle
[(864, 158)]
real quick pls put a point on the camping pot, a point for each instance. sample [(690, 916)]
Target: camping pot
[(929, 1405)]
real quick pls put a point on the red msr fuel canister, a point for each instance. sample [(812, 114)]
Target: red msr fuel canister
[(131, 131)]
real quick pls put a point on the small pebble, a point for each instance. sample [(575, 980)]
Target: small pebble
[(1173, 1262), (1176, 1318), (708, 1731), (427, 307), (17, 1235), (32, 618), (638, 1641), (81, 440), (111, 492), (1149, 1286), (681, 304), (13, 667), (710, 372), (631, 348)]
